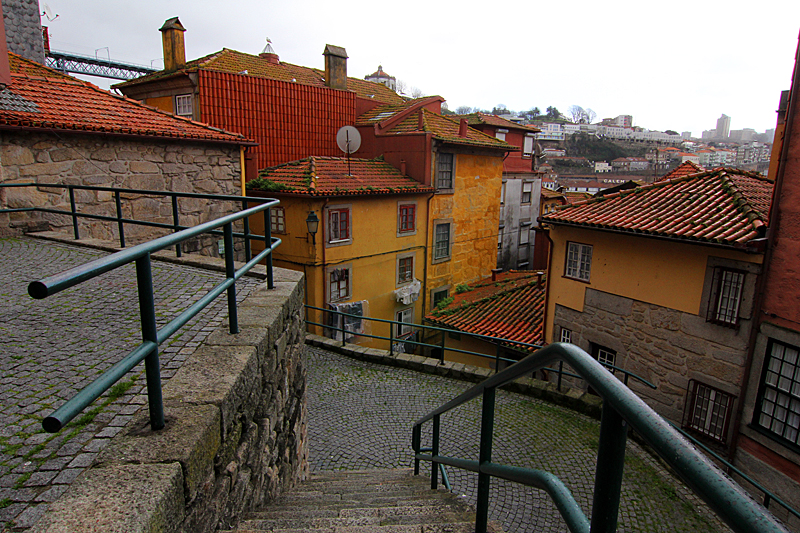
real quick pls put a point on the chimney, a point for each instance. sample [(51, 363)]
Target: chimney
[(495, 272), (539, 279), (335, 67), (269, 54), (462, 128), (421, 121), (172, 39), (403, 167)]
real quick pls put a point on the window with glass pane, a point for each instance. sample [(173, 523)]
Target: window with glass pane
[(779, 403), (407, 218), (579, 261), (527, 190), (405, 269), (527, 147), (406, 316), (277, 218), (566, 335), (726, 297), (441, 246), (183, 105), (708, 410), (339, 224), (444, 179), (339, 284), (440, 295)]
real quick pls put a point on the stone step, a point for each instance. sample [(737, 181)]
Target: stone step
[(380, 501)]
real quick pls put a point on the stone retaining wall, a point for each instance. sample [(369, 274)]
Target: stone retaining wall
[(235, 435), (106, 161)]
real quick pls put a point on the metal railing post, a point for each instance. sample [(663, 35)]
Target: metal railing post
[(441, 355), (485, 456), (341, 326), (230, 273), (247, 252), (416, 440), (391, 338), (560, 375), (175, 224), (120, 225), (434, 453), (268, 243), (74, 212), (610, 466), (147, 311), (497, 358)]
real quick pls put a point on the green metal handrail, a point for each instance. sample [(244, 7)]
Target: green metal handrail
[(121, 221), (497, 340), (152, 336), (621, 409)]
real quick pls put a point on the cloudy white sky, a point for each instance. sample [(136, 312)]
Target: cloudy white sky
[(672, 65)]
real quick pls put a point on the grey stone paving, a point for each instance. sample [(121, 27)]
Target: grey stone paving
[(360, 416), (51, 348)]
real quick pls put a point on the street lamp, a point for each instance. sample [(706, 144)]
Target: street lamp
[(313, 225)]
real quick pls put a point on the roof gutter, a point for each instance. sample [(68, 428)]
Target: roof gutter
[(136, 136)]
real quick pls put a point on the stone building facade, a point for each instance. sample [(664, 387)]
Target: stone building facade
[(24, 28), (107, 161)]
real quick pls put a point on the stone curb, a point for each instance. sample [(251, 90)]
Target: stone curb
[(575, 399)]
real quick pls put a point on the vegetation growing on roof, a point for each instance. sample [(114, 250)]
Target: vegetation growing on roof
[(462, 287), (265, 184)]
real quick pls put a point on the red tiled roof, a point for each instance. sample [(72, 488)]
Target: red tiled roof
[(684, 169), (575, 197), (234, 62), (511, 308), (64, 103), (479, 118), (722, 206), (383, 112), (328, 176), (446, 129)]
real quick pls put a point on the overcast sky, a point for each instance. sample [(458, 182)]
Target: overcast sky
[(672, 65)]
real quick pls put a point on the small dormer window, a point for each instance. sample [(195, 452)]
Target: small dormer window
[(183, 105)]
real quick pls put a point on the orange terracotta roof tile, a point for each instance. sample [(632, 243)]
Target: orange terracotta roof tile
[(446, 130), (383, 112), (684, 169), (20, 65), (328, 176), (474, 119), (234, 62), (575, 197), (721, 206), (64, 103), (510, 308)]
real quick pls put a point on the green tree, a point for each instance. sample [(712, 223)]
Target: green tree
[(553, 113)]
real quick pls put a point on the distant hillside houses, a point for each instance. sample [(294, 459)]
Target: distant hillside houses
[(553, 131)]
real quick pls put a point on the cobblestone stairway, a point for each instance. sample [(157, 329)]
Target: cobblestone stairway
[(361, 501)]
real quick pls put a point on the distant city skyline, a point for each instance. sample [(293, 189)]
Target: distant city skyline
[(527, 56)]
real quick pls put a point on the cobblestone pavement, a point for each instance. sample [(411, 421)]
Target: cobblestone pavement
[(360, 416), (51, 348)]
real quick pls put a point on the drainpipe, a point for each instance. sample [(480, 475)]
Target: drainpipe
[(761, 283), (425, 253), (546, 233)]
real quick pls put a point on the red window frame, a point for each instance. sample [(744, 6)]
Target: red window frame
[(405, 269), (338, 225), (408, 218)]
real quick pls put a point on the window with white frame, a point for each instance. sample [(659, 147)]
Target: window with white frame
[(527, 146), (406, 317), (726, 297), (339, 224), (527, 191), (339, 286), (708, 410), (444, 171), (183, 105), (566, 335), (405, 269), (501, 134), (605, 356), (441, 241), (277, 219), (579, 261), (778, 405)]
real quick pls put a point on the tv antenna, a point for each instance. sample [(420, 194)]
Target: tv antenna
[(349, 141), (49, 13)]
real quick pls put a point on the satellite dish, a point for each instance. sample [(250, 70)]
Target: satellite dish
[(348, 139), (47, 12)]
